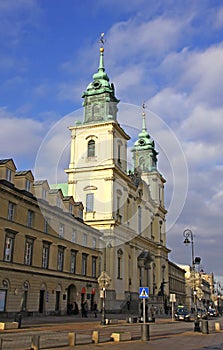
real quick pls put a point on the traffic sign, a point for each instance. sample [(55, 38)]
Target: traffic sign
[(143, 292)]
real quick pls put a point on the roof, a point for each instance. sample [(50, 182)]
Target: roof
[(4, 161), (20, 173), (39, 182), (62, 186)]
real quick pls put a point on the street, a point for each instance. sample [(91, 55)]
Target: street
[(164, 334)]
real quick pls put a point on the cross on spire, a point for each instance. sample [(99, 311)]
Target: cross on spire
[(144, 116), (102, 39)]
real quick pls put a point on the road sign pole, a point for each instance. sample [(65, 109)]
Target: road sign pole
[(172, 312), (144, 310)]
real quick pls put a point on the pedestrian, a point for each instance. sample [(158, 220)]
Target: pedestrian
[(82, 309), (152, 313), (128, 304), (95, 309), (75, 308), (86, 308)]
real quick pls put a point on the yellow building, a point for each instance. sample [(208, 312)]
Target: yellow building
[(48, 256), (177, 283), (126, 206)]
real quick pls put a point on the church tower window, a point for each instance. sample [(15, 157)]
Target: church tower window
[(91, 148), (90, 202)]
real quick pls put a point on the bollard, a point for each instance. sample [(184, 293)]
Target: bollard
[(144, 332), (95, 337), (72, 339), (217, 326), (197, 326), (18, 318), (1, 344), (204, 327), (35, 342)]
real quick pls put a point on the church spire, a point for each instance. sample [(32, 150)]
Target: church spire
[(99, 98), (144, 153), (101, 74), (144, 117)]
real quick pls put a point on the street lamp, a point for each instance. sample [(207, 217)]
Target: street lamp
[(189, 238), (104, 281), (188, 233)]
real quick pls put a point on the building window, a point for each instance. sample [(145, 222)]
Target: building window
[(28, 185), (84, 239), (119, 154), (90, 202), (9, 242), (28, 251), (58, 202), (45, 255), (44, 192), (73, 261), (71, 208), (119, 264), (3, 294), (60, 258), (118, 211), (30, 218), (61, 230), (139, 220), (9, 245), (91, 148), (80, 213), (94, 264), (84, 264), (46, 225), (8, 174), (94, 242), (11, 211), (73, 236)]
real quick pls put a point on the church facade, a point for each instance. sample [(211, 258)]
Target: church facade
[(126, 206)]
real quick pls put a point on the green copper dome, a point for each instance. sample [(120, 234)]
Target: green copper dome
[(100, 103), (144, 153), (100, 83)]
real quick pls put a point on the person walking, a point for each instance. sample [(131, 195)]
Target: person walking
[(95, 309), (86, 308)]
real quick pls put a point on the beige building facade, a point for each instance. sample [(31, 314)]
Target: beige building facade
[(177, 283), (127, 206), (48, 257)]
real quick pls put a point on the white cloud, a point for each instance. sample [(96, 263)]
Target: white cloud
[(202, 75), (20, 137), (12, 24), (204, 124), (219, 18), (141, 39)]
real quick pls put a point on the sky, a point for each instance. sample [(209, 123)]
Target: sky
[(168, 54)]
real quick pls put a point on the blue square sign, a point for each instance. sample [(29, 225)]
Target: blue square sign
[(143, 292)]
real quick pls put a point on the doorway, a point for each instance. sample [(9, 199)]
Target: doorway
[(41, 301)]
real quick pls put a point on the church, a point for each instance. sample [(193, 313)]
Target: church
[(125, 205)]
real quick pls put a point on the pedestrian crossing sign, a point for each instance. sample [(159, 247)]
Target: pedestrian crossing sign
[(143, 292)]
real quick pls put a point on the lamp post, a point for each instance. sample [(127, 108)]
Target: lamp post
[(189, 238), (104, 281)]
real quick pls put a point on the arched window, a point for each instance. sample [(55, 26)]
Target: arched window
[(139, 220), (91, 148), (96, 111), (119, 153), (119, 263)]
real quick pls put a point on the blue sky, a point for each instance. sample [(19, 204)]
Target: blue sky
[(166, 53)]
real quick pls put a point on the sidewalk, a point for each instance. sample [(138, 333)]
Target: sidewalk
[(33, 321), (185, 341)]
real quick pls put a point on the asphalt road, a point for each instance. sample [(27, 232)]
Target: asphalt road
[(164, 334)]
